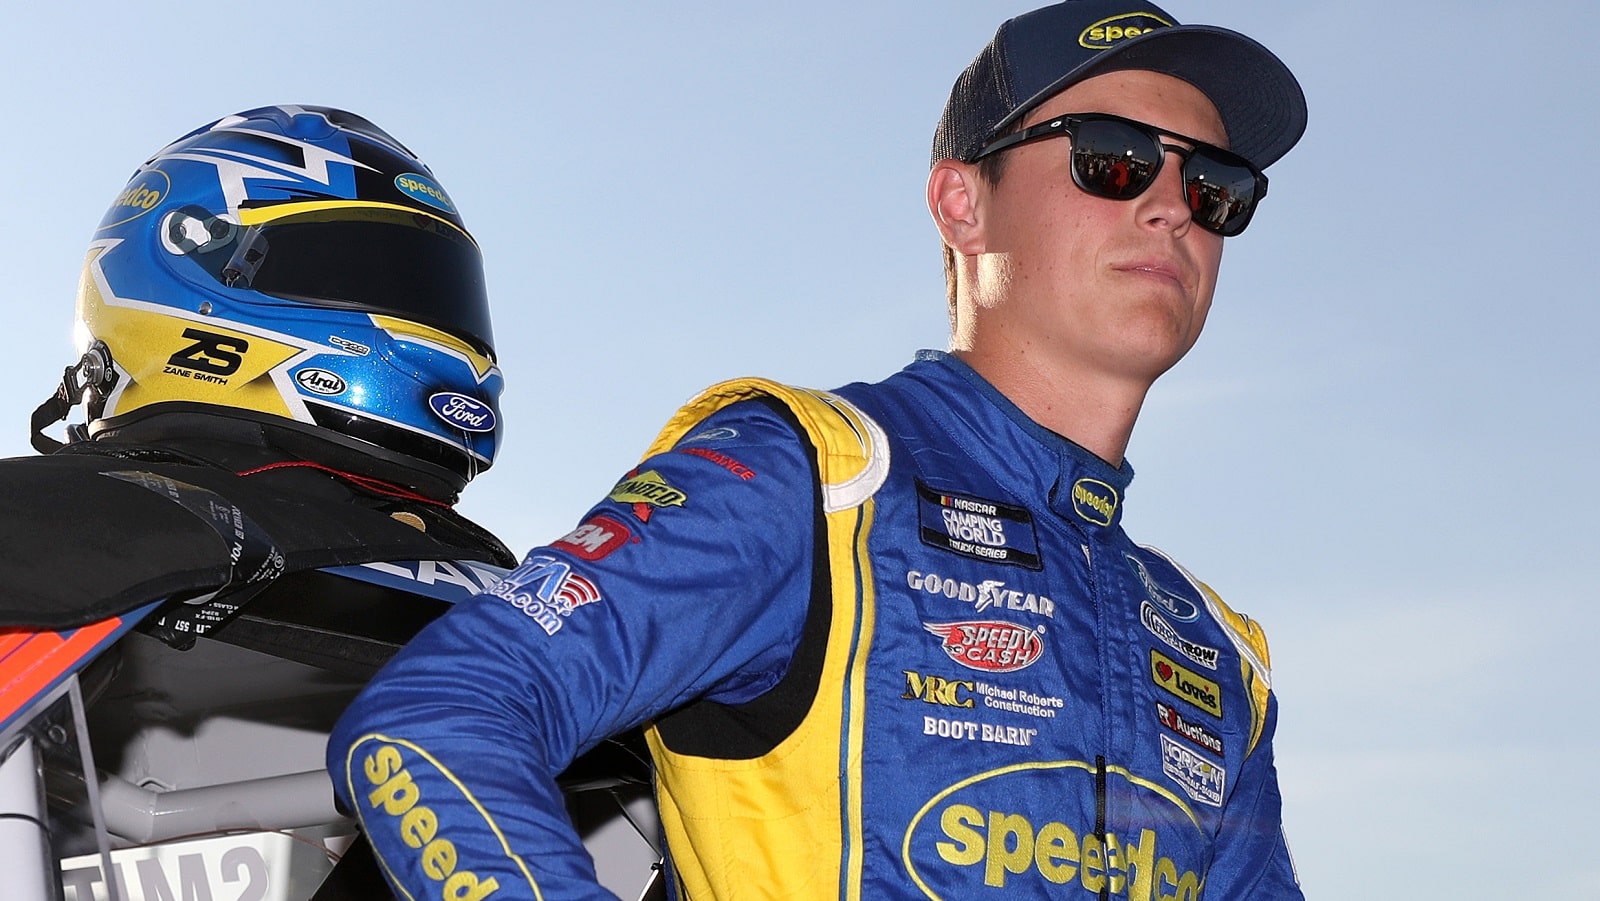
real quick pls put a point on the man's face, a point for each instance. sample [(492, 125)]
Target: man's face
[(1117, 287)]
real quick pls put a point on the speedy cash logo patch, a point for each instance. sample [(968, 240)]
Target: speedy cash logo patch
[(977, 527), (1016, 827), (990, 646), (1104, 34), (1186, 684)]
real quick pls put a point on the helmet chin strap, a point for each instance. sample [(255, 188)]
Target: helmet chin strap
[(93, 374)]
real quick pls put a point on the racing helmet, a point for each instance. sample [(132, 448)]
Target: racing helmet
[(298, 267)]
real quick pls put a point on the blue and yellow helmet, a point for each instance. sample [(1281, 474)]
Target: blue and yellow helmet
[(296, 266)]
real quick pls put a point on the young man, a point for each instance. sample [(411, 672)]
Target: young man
[(891, 641)]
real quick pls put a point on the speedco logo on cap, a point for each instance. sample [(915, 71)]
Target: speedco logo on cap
[(1106, 32), (991, 646)]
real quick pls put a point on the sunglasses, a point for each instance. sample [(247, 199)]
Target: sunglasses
[(1119, 159)]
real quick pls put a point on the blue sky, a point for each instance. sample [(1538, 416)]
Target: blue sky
[(1382, 447)]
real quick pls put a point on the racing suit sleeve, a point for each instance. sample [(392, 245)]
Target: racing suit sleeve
[(689, 581), (1251, 859)]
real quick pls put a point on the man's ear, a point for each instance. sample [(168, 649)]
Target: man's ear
[(955, 193)]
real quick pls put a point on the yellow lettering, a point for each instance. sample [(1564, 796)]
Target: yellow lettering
[(419, 826), (1056, 843), (1097, 34), (1139, 858), (957, 822), (1002, 858), (465, 886), (396, 796), (439, 858), (1167, 874), (1188, 887), (1094, 864), (1115, 867), (379, 766)]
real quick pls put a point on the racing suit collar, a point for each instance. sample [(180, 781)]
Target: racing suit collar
[(1087, 490)]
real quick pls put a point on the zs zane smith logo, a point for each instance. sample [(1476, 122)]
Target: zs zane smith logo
[(210, 358), (990, 646)]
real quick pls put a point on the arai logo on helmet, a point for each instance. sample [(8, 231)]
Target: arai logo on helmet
[(1106, 32), (320, 381), (425, 189), (462, 411)]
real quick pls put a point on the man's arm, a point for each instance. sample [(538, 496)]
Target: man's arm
[(690, 580), (1251, 858)]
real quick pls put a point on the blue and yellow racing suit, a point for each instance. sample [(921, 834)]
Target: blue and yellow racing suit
[(889, 642)]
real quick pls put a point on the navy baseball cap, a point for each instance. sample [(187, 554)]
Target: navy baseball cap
[(1037, 55)]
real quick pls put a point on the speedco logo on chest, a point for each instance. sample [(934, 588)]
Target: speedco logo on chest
[(1030, 828), (990, 645)]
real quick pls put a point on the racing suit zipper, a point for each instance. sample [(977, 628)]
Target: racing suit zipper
[(1105, 717), (1100, 816)]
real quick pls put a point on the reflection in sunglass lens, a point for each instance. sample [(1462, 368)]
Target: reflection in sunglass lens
[(1112, 159), (1221, 194)]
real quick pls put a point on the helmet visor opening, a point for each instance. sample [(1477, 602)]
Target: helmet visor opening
[(409, 266)]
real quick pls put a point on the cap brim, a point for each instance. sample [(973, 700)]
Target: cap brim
[(1262, 106)]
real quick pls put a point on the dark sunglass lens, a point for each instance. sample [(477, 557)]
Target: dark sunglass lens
[(1113, 160), (1222, 194)]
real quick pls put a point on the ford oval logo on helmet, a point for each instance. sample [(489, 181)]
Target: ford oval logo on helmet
[(463, 412), (320, 381), (425, 189)]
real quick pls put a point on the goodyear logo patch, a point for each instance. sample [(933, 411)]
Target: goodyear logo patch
[(1186, 684), (1094, 501), (1105, 34), (423, 821), (977, 527), (142, 195), (422, 188), (990, 646), (1008, 828)]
